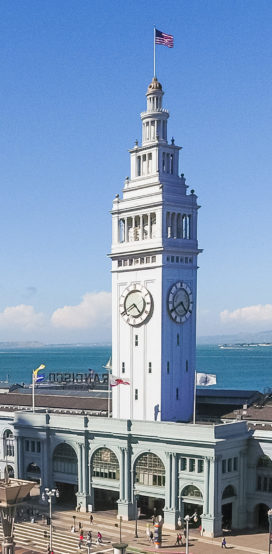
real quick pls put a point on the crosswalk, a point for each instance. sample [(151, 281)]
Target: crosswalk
[(35, 536)]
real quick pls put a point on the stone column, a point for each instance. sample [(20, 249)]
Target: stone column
[(242, 507), (79, 468), (84, 488), (126, 507), (217, 496), (16, 457), (206, 486), (122, 492), (170, 512), (43, 466), (126, 475), (174, 482), (168, 481), (212, 486), (21, 458), (209, 523)]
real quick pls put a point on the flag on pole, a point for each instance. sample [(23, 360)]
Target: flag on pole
[(163, 38), (205, 379), (38, 378), (115, 381)]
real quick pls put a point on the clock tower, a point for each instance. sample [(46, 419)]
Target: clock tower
[(154, 273)]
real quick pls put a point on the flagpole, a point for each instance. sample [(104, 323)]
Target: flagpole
[(154, 52), (194, 417), (109, 394), (33, 393), (108, 367)]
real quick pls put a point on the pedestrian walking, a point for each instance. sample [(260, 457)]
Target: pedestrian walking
[(89, 536), (80, 540), (91, 518), (224, 543), (177, 540), (151, 536)]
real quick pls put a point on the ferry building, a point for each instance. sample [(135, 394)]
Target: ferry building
[(149, 454)]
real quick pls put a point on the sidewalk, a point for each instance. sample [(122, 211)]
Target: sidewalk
[(107, 523), (246, 541)]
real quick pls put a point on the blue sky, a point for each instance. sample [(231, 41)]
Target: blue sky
[(73, 81)]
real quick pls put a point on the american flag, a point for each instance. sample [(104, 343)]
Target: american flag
[(163, 38)]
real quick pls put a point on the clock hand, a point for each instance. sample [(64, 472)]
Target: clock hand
[(179, 304), (128, 309)]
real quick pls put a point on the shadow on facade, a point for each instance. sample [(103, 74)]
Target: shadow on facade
[(67, 494), (149, 506), (105, 499)]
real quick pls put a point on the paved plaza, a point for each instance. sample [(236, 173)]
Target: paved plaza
[(33, 537)]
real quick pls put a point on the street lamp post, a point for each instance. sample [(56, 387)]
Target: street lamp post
[(187, 520), (50, 494), (136, 516), (269, 515)]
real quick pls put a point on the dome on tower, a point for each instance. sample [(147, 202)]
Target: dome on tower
[(154, 85)]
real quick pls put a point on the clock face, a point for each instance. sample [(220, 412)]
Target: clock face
[(135, 304), (180, 302)]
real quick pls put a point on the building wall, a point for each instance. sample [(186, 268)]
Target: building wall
[(206, 445)]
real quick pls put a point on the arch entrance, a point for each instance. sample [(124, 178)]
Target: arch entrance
[(65, 473), (261, 517), (192, 502), (149, 485), (105, 479), (228, 500)]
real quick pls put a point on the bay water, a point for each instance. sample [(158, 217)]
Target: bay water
[(238, 367)]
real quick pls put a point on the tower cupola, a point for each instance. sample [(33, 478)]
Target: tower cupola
[(154, 119)]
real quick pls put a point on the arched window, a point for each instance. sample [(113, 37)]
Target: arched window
[(168, 225), (228, 492), (138, 166), (130, 230), (145, 227), (152, 225), (137, 228), (8, 443), (264, 461), (150, 470), (179, 226), (171, 164), (10, 472), (65, 459), (121, 230), (105, 464), (192, 491), (173, 221)]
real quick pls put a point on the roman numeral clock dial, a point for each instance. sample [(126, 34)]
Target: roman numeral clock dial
[(180, 302), (135, 304)]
